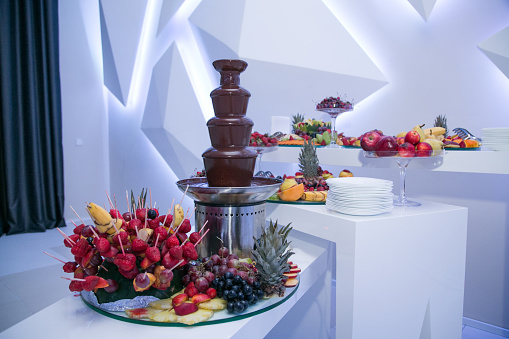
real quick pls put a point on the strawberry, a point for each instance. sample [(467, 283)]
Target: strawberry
[(81, 248), (139, 245), (194, 237), (102, 245), (172, 241), (176, 252), (190, 251), (186, 226), (153, 254), (161, 234), (125, 262)]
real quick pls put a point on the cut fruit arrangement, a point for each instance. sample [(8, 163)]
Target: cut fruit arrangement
[(262, 140), (309, 183), (310, 129), (142, 253)]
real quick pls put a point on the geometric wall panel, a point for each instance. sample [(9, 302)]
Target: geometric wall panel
[(121, 33), (497, 49), (423, 7), (168, 8), (172, 119)]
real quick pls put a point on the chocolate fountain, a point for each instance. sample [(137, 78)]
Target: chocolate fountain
[(230, 198)]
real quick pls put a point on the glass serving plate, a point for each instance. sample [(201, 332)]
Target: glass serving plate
[(276, 200), (402, 162), (334, 112), (219, 317)]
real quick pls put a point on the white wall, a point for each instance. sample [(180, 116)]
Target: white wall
[(142, 119)]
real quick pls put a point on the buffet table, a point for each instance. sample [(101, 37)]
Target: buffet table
[(398, 275), (71, 318)]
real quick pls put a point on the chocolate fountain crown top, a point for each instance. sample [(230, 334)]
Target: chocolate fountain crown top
[(230, 99)]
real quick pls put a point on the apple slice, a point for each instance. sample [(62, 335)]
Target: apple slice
[(290, 275), (295, 270), (291, 282)]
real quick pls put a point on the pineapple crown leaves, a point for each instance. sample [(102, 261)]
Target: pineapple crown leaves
[(308, 160), (140, 202), (297, 118), (271, 254), (441, 121)]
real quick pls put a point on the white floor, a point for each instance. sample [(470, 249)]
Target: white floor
[(30, 280)]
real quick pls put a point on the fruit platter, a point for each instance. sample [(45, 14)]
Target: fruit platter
[(307, 186), (142, 266)]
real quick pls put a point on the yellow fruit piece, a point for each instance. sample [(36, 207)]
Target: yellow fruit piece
[(101, 218), (168, 316), (178, 215), (436, 131), (287, 183), (314, 196), (196, 317), (163, 304), (145, 233), (215, 304), (401, 135), (292, 194), (419, 130)]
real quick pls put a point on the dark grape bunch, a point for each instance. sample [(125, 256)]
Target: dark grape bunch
[(334, 102), (237, 292)]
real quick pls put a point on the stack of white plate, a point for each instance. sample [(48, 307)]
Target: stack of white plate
[(496, 139), (359, 195)]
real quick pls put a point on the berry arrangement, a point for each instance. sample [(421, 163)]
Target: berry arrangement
[(262, 140), (334, 102)]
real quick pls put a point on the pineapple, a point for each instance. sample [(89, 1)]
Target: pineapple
[(271, 257), (295, 120), (309, 165), (441, 121)]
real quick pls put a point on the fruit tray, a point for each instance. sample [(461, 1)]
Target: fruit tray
[(218, 317), (317, 146), (276, 200)]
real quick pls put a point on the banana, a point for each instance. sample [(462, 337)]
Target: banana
[(101, 218), (419, 130), (314, 196), (436, 145), (436, 131), (178, 215)]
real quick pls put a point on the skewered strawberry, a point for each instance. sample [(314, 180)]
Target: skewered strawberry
[(111, 253), (190, 251), (77, 229), (186, 226), (121, 237), (152, 223), (94, 282), (172, 241), (115, 214), (153, 254), (135, 224), (194, 237), (70, 266), (161, 234), (81, 248), (138, 245), (141, 214), (102, 245), (75, 286), (176, 252), (166, 219), (169, 261), (125, 262), (71, 240)]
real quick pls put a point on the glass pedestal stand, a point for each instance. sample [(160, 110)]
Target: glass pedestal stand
[(334, 112), (401, 200)]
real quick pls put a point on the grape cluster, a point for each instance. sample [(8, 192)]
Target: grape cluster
[(237, 292), (333, 102)]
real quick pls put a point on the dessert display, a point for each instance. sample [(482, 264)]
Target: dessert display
[(316, 130)]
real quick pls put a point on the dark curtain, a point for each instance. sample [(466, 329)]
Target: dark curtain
[(31, 155)]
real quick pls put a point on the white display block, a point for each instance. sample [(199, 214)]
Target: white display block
[(399, 274), (71, 318)]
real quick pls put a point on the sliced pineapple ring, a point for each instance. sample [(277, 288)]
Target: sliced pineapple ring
[(215, 304)]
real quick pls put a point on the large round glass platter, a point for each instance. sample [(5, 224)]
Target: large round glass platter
[(219, 317)]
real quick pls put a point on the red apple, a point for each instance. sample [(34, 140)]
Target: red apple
[(369, 140), (413, 137), (423, 149), (406, 150), (387, 146), (400, 140)]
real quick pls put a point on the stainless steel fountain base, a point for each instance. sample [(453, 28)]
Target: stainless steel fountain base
[(235, 214), (236, 226)]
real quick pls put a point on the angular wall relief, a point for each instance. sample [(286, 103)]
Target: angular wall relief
[(168, 8), (423, 7), (123, 31), (497, 49), (172, 120)]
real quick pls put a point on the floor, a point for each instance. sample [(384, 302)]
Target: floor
[(30, 280)]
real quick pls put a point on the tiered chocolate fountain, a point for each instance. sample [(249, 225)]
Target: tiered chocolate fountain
[(230, 198)]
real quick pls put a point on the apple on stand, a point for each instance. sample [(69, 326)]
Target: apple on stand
[(406, 150), (423, 149), (400, 140), (413, 137), (370, 139), (387, 146)]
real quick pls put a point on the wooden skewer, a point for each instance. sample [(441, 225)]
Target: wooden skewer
[(111, 204), (92, 229), (77, 214), (134, 209), (136, 228), (157, 239), (146, 217), (73, 279), (206, 222), (66, 237), (54, 257), (164, 221), (180, 262), (207, 231), (121, 246), (74, 223), (181, 200)]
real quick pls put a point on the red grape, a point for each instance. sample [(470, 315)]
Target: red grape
[(166, 276), (112, 286), (202, 284)]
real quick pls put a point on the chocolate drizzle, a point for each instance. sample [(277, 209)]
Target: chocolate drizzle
[(229, 163)]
